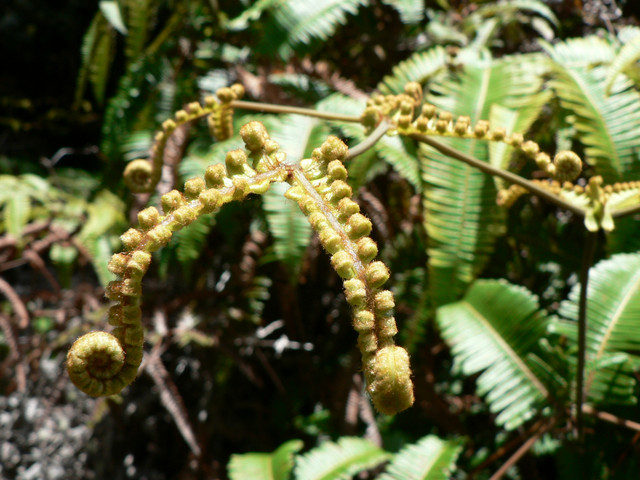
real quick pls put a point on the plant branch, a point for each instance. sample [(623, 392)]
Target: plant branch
[(625, 212), (491, 170), (518, 454), (609, 417), (587, 261), (266, 107), (371, 140)]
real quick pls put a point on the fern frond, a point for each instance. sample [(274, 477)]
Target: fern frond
[(265, 466), (289, 227), (139, 13), (507, 11), (305, 21), (627, 56), (420, 67), (431, 458), (494, 330), (608, 125), (411, 11), (613, 328), (339, 460), (462, 219)]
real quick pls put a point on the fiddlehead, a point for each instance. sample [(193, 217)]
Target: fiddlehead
[(143, 175), (320, 189), (100, 363)]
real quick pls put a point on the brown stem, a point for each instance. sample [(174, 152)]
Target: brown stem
[(265, 107), (518, 454), (609, 417), (497, 172)]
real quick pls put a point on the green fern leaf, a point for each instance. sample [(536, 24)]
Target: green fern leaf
[(402, 156), (111, 11), (265, 466), (305, 21), (289, 227), (462, 219), (139, 12), (411, 11), (420, 67), (613, 328), (505, 12), (339, 460), (494, 330), (102, 55), (431, 458), (627, 56), (608, 125), (190, 242)]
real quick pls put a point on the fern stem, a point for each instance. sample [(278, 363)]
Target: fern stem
[(491, 170), (609, 417), (518, 454), (625, 212), (371, 140), (587, 260), (266, 107)]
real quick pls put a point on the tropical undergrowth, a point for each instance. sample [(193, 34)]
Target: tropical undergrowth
[(249, 344)]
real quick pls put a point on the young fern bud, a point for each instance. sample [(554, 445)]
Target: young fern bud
[(319, 188), (568, 166), (138, 175), (254, 136)]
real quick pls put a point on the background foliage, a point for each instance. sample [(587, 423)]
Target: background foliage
[(249, 349)]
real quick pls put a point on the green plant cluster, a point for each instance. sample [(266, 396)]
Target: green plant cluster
[(485, 214)]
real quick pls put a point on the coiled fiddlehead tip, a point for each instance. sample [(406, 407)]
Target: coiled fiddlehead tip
[(95, 362), (137, 176), (391, 389), (568, 166)]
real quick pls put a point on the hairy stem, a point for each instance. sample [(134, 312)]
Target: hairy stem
[(505, 175), (266, 107)]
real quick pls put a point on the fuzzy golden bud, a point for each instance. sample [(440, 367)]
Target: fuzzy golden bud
[(194, 108), (347, 208), (171, 201), (336, 170), (148, 218), (158, 237), (376, 274), (181, 117), (568, 165), (515, 140), (356, 292), (184, 216), (340, 190), (429, 111), (169, 125), (214, 175), (481, 128), (241, 188), (254, 135), (363, 321), (343, 264), (359, 226), (193, 187), (235, 161), (333, 149), (367, 249), (209, 200), (330, 240), (131, 238), (391, 389), (225, 95), (383, 302), (531, 148), (367, 342), (138, 263), (118, 263), (238, 90)]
